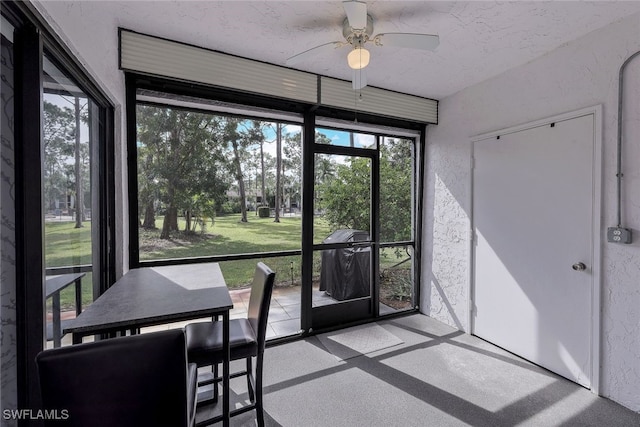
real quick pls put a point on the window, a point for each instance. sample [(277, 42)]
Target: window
[(215, 179), (211, 184), (74, 197)]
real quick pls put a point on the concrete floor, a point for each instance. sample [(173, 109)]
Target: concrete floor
[(438, 376)]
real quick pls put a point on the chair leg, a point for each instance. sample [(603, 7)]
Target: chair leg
[(250, 380), (259, 402)]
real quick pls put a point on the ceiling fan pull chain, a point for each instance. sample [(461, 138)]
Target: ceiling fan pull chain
[(355, 106)]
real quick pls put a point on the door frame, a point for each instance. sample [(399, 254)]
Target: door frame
[(596, 227)]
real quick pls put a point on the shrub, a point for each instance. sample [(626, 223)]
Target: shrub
[(264, 212), (230, 207)]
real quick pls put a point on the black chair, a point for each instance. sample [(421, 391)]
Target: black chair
[(140, 380), (246, 340)]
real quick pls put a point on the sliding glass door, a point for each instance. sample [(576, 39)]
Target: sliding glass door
[(57, 196), (72, 198)]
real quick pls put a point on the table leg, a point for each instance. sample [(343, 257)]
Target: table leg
[(78, 296), (225, 370), (76, 338), (57, 332)]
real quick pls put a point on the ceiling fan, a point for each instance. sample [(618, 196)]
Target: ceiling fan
[(357, 30)]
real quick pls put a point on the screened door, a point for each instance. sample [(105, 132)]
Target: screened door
[(343, 238), (364, 198)]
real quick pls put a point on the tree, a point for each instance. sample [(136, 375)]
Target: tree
[(347, 195), (292, 164), (278, 170), (252, 134), (346, 198), (324, 171), (238, 144), (65, 156), (58, 137), (80, 215), (181, 154), (396, 183)]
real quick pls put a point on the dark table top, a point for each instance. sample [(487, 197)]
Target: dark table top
[(55, 284), (155, 295)]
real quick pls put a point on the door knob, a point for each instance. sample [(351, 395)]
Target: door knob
[(579, 266)]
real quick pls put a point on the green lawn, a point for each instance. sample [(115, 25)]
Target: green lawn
[(226, 236), (68, 246), (229, 236)]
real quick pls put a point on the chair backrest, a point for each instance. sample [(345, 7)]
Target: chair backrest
[(128, 381), (259, 301)]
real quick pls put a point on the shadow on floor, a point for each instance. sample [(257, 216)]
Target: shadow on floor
[(438, 377)]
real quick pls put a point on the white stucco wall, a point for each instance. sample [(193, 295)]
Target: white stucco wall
[(579, 74)]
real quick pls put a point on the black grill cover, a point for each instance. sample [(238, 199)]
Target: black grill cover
[(345, 272)]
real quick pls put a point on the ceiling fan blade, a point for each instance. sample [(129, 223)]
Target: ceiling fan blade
[(410, 40), (295, 59), (359, 79), (356, 14)]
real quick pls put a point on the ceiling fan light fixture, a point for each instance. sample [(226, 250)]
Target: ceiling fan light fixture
[(358, 58)]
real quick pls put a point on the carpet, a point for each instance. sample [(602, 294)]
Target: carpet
[(358, 340)]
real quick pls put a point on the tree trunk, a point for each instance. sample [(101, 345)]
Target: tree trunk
[(168, 215), (187, 220), (243, 202), (264, 192), (79, 192), (278, 169), (149, 215), (170, 223), (173, 225), (166, 229)]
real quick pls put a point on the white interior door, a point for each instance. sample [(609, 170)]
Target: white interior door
[(533, 196)]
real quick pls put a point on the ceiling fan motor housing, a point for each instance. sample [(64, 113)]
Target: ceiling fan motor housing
[(357, 36)]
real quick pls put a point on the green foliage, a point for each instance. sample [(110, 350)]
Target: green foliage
[(396, 190), (230, 207), (345, 191), (401, 290), (346, 197), (59, 131)]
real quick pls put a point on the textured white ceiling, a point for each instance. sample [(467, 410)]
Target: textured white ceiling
[(478, 39)]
